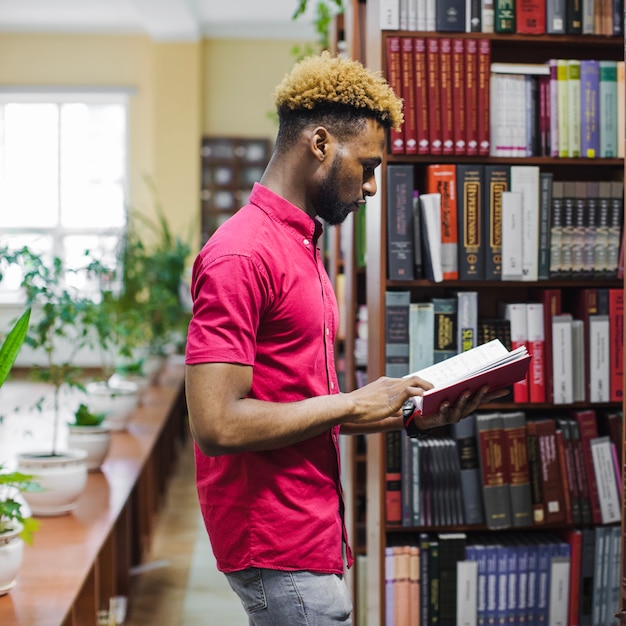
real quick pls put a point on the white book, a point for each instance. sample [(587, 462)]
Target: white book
[(431, 16), (511, 235), (536, 347), (430, 204), (562, 370), (466, 593), (404, 15), (525, 179), (578, 355), (536, 69), (610, 505), (389, 14), (421, 15), (487, 16), (599, 362), (559, 591), (421, 335), (412, 20)]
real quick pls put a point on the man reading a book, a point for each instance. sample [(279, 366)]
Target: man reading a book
[(264, 403)]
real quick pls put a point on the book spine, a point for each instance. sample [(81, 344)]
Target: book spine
[(588, 430), (393, 479), (552, 482), (421, 96), (389, 14), (511, 235), (504, 16), (608, 109), (561, 74), (397, 337), (525, 179), (400, 186), (446, 96), (467, 320), (471, 260), (471, 96), (459, 108), (553, 108), (616, 219), (515, 449), (496, 180), (551, 300), (434, 96), (450, 16), (394, 77), (445, 313), (590, 105), (574, 16), (573, 106), (409, 128), (530, 17), (608, 495), (545, 210), (536, 347), (484, 104), (562, 356), (515, 312), (578, 230), (599, 363), (556, 17), (616, 344)]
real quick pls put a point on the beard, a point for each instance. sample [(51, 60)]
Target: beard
[(328, 205)]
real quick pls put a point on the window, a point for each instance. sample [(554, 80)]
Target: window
[(63, 176)]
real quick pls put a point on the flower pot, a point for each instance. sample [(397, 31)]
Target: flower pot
[(62, 478), (95, 440), (118, 403), (11, 553)]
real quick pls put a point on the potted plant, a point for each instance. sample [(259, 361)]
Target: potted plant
[(62, 326), (16, 524), (88, 432)]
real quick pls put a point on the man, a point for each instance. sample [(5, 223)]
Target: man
[(264, 404)]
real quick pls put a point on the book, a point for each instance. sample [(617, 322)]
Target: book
[(389, 15), (430, 205), (545, 213), (393, 478), (589, 105), (599, 360), (484, 101), (562, 359), (556, 229), (394, 77), (512, 235), (445, 312), (466, 593), (451, 552), (536, 348), (515, 449), (608, 109), (573, 104), (409, 127), (615, 223), (556, 17), (421, 95), (400, 186), (397, 305), (418, 261), (489, 364), (516, 313), (450, 16), (608, 494), (471, 259), (434, 96), (494, 470), (525, 179), (551, 300), (568, 469), (616, 345), (467, 320), (446, 95), (421, 335), (504, 16), (465, 436), (551, 479), (459, 96), (530, 17), (496, 181), (588, 430), (441, 179)]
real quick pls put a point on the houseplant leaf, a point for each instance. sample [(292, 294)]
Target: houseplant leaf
[(12, 344)]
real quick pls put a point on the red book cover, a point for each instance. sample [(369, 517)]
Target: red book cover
[(551, 299), (530, 17), (565, 476), (534, 469), (394, 78), (408, 95), (434, 96), (544, 115), (616, 344), (515, 312), (393, 479), (421, 95), (484, 73), (458, 95), (552, 483), (536, 347), (441, 179), (575, 540), (581, 475), (445, 84), (588, 428), (471, 96)]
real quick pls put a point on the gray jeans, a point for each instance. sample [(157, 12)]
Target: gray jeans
[(276, 598)]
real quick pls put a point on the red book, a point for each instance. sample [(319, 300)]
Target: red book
[(565, 476), (588, 428), (581, 475), (471, 96), (458, 95), (536, 348), (408, 95), (544, 115), (551, 299), (434, 96), (553, 487), (421, 95), (534, 470), (394, 78), (441, 179), (393, 479), (445, 84), (530, 17), (484, 73), (616, 345), (575, 540), (515, 312)]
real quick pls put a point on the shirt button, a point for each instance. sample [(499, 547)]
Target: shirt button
[(306, 242)]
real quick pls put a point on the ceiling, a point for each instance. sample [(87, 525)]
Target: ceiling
[(162, 20)]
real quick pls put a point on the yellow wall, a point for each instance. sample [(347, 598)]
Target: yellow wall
[(183, 90)]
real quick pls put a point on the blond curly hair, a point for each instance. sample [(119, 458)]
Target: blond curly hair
[(332, 82)]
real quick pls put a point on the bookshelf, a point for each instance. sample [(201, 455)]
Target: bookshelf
[(505, 48)]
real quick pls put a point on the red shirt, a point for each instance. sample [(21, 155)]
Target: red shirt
[(262, 298)]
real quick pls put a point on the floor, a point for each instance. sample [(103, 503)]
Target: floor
[(178, 584)]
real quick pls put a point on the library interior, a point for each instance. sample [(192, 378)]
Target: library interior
[(486, 252)]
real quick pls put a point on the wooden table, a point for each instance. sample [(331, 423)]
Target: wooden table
[(78, 561)]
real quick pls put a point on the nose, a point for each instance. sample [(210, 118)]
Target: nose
[(369, 186)]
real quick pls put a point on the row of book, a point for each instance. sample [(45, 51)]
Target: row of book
[(562, 108), (576, 342), (461, 579), (502, 470), (536, 17), (457, 102), (501, 222)]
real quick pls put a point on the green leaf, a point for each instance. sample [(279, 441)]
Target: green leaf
[(12, 344)]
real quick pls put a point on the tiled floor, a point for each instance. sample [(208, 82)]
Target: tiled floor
[(179, 585)]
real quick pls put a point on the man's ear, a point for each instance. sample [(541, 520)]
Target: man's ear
[(320, 142)]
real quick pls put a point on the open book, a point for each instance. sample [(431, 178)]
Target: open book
[(489, 364)]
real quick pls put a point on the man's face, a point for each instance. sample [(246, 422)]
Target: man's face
[(351, 175)]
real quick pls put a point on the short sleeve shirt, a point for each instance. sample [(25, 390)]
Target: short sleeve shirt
[(262, 297)]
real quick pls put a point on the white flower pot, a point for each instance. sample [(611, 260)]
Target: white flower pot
[(11, 554), (118, 403), (62, 478), (95, 440)]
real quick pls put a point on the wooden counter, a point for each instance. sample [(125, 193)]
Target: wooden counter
[(78, 561)]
